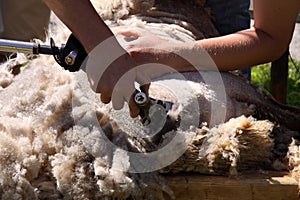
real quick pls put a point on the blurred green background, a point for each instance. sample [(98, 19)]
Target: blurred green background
[(261, 77)]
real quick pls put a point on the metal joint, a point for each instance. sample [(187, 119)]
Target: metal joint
[(71, 58), (141, 99)]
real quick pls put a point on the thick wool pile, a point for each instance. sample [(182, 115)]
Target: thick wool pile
[(49, 151), (52, 145), (118, 9), (56, 135)]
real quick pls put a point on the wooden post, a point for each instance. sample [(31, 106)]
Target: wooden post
[(279, 76)]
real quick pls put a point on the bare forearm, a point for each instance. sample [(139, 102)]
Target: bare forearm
[(82, 19), (242, 49), (266, 41), (235, 51)]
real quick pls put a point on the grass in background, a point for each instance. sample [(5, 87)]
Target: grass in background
[(261, 76)]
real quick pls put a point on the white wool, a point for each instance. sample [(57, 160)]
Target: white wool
[(170, 32), (222, 139), (35, 114), (51, 142), (110, 10), (117, 9), (5, 78), (48, 144), (294, 159), (20, 123)]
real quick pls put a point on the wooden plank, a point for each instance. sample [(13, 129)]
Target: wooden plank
[(247, 187)]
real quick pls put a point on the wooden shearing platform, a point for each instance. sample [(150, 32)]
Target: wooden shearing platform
[(273, 185)]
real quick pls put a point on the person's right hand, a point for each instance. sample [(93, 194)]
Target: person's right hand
[(114, 77)]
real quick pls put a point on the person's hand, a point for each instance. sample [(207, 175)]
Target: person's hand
[(113, 73), (145, 47)]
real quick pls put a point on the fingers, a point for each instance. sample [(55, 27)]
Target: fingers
[(118, 98), (118, 101), (133, 107), (137, 33), (104, 90), (145, 88), (121, 94), (105, 97), (144, 80), (129, 33), (116, 85)]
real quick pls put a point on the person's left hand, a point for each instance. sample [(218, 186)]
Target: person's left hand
[(146, 47)]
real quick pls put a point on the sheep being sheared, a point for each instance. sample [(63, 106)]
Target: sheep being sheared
[(157, 19), (58, 141)]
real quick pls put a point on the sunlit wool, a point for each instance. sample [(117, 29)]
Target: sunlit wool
[(54, 129)]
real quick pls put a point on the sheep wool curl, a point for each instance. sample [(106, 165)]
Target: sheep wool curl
[(44, 154), (118, 9)]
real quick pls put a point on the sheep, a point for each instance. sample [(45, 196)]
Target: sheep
[(60, 142)]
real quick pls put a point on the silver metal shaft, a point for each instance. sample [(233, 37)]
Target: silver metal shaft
[(18, 46)]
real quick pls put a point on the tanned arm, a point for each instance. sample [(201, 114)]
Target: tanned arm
[(82, 19), (267, 40), (85, 23)]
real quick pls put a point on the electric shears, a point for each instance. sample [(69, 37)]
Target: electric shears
[(70, 56)]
